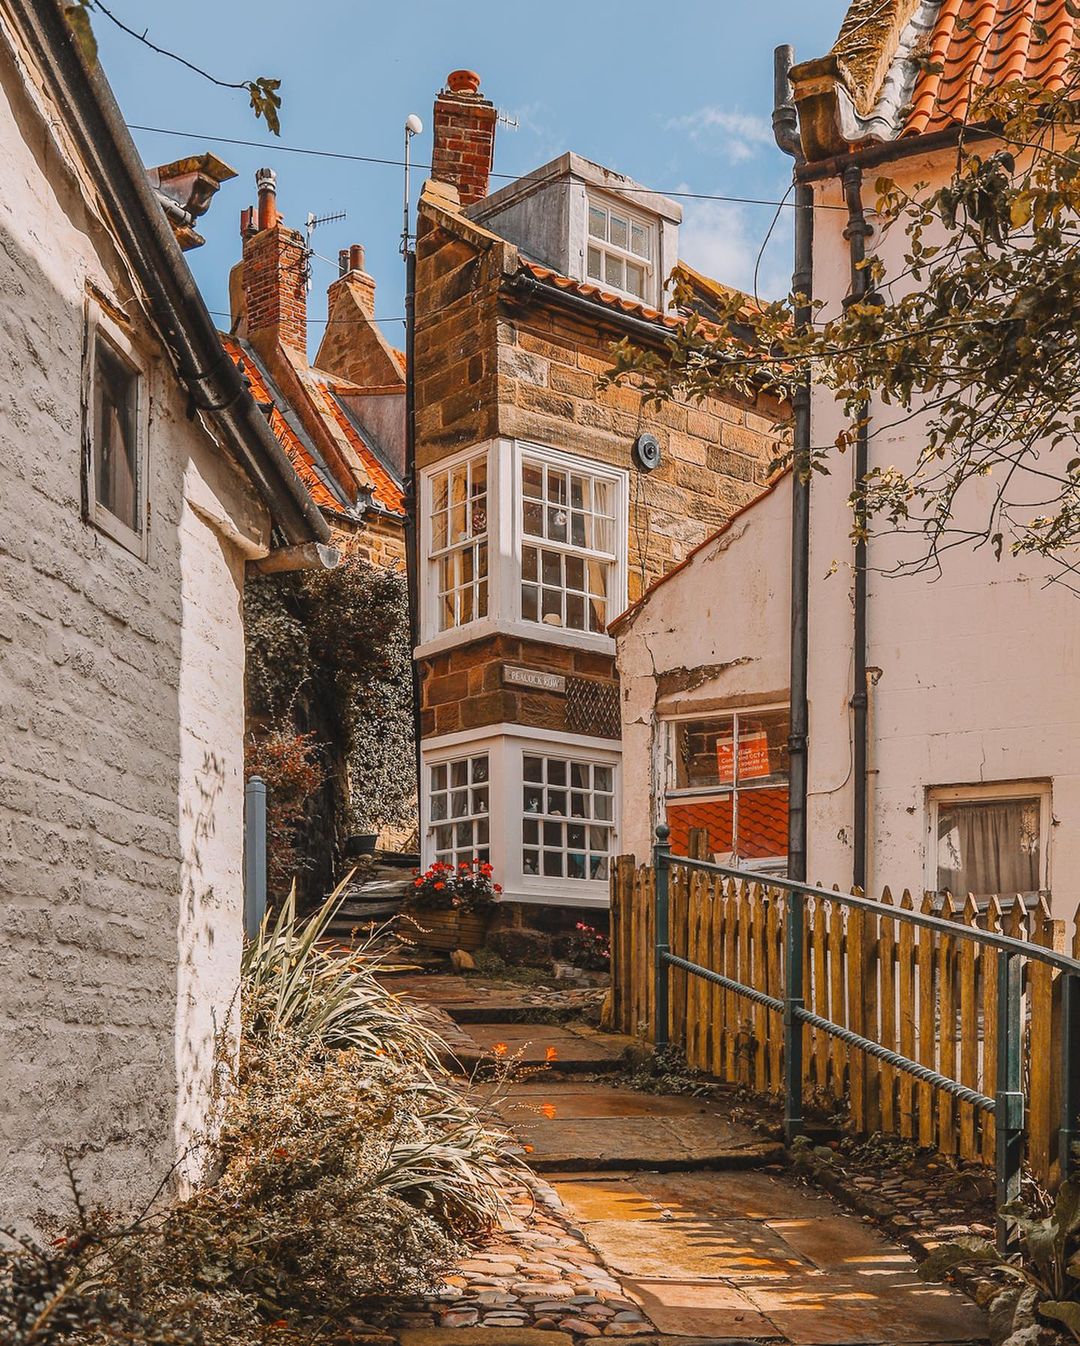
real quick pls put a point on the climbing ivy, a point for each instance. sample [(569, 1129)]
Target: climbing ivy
[(328, 657)]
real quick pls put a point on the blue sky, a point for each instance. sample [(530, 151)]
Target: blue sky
[(677, 95)]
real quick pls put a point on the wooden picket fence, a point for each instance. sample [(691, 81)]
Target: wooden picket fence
[(927, 996)]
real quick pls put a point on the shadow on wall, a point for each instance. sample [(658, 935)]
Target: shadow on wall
[(102, 853)]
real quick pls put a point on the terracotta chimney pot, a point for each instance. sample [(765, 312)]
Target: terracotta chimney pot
[(463, 81)]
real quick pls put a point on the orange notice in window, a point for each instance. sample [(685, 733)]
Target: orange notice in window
[(753, 756)]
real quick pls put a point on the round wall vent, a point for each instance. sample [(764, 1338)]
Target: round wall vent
[(647, 452)]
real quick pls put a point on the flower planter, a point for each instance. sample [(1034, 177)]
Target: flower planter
[(446, 930)]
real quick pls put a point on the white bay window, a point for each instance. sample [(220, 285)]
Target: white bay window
[(544, 813), (524, 539)]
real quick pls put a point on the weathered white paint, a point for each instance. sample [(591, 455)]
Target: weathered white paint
[(712, 635), (978, 666), (975, 670), (121, 706)]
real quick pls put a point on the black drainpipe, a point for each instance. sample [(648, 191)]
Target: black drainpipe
[(857, 231), (785, 129), (412, 535)]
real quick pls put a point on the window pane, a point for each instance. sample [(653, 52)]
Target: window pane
[(530, 600), (116, 454), (761, 830), (594, 266), (763, 746), (705, 752), (597, 222), (575, 612), (619, 230), (533, 518), (532, 480), (530, 862), (533, 768), (553, 864), (635, 279), (466, 808), (613, 271), (988, 846), (556, 772), (639, 240)]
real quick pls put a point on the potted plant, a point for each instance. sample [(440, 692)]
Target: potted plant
[(448, 908)]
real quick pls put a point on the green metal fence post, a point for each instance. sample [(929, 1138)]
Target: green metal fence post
[(1069, 1132), (1009, 1099), (662, 869), (794, 937)]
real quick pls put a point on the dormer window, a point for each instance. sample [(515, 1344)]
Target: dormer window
[(621, 250)]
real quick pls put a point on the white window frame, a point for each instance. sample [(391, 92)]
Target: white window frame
[(619, 480), (456, 855), (506, 746), (614, 601), (431, 599), (100, 328), (773, 864), (650, 224), (505, 539), (974, 794)]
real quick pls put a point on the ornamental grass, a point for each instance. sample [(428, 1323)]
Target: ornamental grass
[(346, 1169)]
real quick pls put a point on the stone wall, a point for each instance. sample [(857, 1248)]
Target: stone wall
[(465, 687), (120, 699)]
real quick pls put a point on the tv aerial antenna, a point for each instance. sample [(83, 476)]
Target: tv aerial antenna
[(310, 225)]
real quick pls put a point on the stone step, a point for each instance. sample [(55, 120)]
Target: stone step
[(575, 1126), (558, 1049)]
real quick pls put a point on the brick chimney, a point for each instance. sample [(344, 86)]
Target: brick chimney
[(464, 136), (274, 275), (351, 272)]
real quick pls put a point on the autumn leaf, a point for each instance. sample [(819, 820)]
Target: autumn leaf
[(265, 101)]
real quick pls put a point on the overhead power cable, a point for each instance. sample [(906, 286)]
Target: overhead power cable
[(400, 163)]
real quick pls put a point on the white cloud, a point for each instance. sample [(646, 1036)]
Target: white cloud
[(739, 136), (722, 240)]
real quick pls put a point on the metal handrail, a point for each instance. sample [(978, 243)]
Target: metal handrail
[(1008, 1103), (1061, 961)]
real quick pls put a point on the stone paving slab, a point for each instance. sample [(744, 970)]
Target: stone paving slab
[(694, 1308), (834, 1310), (753, 1255), (705, 1249), (573, 1128), (566, 1049)]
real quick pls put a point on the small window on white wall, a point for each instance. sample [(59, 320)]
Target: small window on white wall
[(459, 805), (620, 250), (989, 840), (568, 820), (115, 441), (568, 556), (459, 543)]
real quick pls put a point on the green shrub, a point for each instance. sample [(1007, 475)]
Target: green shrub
[(346, 1170)]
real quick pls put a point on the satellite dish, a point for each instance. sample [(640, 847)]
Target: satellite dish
[(646, 452)]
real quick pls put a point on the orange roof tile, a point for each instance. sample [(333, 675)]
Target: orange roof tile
[(386, 492), (298, 453), (983, 44), (762, 824), (601, 296)]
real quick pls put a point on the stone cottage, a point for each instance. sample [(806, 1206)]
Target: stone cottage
[(140, 478), (546, 501)]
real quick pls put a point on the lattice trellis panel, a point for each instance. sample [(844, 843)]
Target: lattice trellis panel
[(592, 707)]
